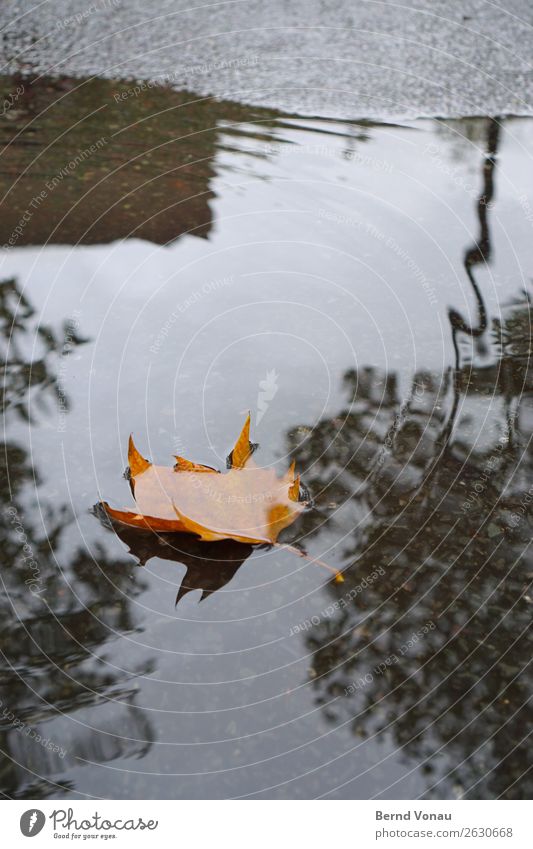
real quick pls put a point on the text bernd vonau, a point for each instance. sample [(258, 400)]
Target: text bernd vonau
[(417, 815)]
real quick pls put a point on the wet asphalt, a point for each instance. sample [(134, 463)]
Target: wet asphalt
[(371, 59)]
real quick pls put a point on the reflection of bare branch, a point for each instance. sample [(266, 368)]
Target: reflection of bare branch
[(435, 516), (55, 619), (23, 371)]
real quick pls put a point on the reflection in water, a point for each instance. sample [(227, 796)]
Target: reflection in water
[(210, 565), (59, 619), (449, 521), (30, 376), (421, 477), (110, 165)]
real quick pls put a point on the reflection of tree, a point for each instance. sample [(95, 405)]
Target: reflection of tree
[(57, 648), (430, 485), (60, 611), (26, 371)]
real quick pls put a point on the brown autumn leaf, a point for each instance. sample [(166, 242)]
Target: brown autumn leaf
[(247, 504)]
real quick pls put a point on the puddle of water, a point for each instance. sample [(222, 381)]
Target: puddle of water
[(364, 291)]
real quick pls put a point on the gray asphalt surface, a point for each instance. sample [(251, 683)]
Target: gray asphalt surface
[(365, 58)]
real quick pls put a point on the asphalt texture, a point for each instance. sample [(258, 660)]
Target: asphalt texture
[(367, 59)]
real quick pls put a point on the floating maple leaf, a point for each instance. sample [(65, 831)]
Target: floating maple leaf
[(246, 504)]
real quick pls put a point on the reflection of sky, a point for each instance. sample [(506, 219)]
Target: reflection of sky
[(290, 280), (284, 283)]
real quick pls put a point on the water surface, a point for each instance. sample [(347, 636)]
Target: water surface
[(364, 290)]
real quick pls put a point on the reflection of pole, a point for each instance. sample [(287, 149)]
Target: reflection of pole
[(479, 253), (481, 250)]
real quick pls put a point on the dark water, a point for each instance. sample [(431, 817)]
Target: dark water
[(365, 291)]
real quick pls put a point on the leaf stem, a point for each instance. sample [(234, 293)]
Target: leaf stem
[(338, 576)]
